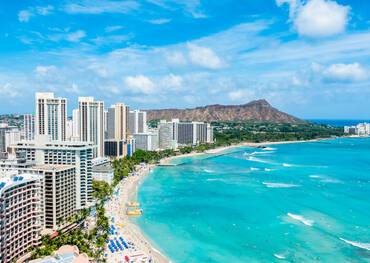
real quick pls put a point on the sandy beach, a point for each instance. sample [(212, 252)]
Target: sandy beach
[(142, 250)]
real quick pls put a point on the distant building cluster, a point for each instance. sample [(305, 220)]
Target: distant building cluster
[(361, 129), (47, 166)]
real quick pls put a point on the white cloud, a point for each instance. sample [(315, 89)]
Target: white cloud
[(110, 29), (25, 15), (44, 70), (101, 6), (190, 7), (293, 6), (159, 21), (204, 57), (99, 70), (241, 95), (44, 10), (172, 81), (317, 18), (113, 39), (346, 72), (74, 88), (8, 90), (76, 36), (176, 58), (140, 84)]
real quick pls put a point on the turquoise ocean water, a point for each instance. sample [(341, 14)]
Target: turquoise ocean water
[(307, 202)]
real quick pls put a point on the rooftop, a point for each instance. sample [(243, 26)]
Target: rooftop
[(52, 167), (65, 254), (7, 180), (106, 167)]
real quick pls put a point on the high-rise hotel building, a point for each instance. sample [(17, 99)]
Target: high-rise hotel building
[(176, 133), (21, 199), (29, 127), (51, 116), (59, 194), (91, 123), (117, 122), (78, 154), (166, 135), (137, 122), (117, 142)]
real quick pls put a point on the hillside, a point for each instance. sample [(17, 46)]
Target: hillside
[(258, 110)]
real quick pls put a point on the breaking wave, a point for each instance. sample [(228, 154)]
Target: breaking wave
[(279, 256), (357, 244), (269, 149), (301, 219), (279, 185)]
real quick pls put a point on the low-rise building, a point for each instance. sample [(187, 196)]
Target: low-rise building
[(103, 172), (64, 254)]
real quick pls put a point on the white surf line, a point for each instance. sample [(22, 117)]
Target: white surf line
[(301, 219), (357, 244)]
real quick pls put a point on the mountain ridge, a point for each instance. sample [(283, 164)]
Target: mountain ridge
[(256, 110)]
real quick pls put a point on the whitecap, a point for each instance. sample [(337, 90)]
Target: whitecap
[(279, 256), (324, 179), (258, 160), (287, 165), (356, 244), (268, 169), (208, 171), (301, 219), (215, 180), (261, 153), (269, 149), (279, 185), (255, 169)]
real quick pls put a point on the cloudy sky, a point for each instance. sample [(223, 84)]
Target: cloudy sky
[(310, 58)]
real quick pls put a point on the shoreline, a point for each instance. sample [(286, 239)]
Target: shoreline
[(116, 210), (128, 191)]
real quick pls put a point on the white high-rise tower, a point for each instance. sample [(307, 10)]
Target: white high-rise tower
[(51, 116), (91, 123), (137, 122), (117, 122), (29, 127)]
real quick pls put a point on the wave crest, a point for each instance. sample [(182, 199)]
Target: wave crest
[(357, 244), (279, 185), (301, 219)]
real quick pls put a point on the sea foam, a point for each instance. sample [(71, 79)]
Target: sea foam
[(279, 185), (301, 219), (279, 256), (269, 149), (356, 244), (258, 160), (325, 179)]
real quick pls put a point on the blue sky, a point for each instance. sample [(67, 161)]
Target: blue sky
[(309, 57)]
